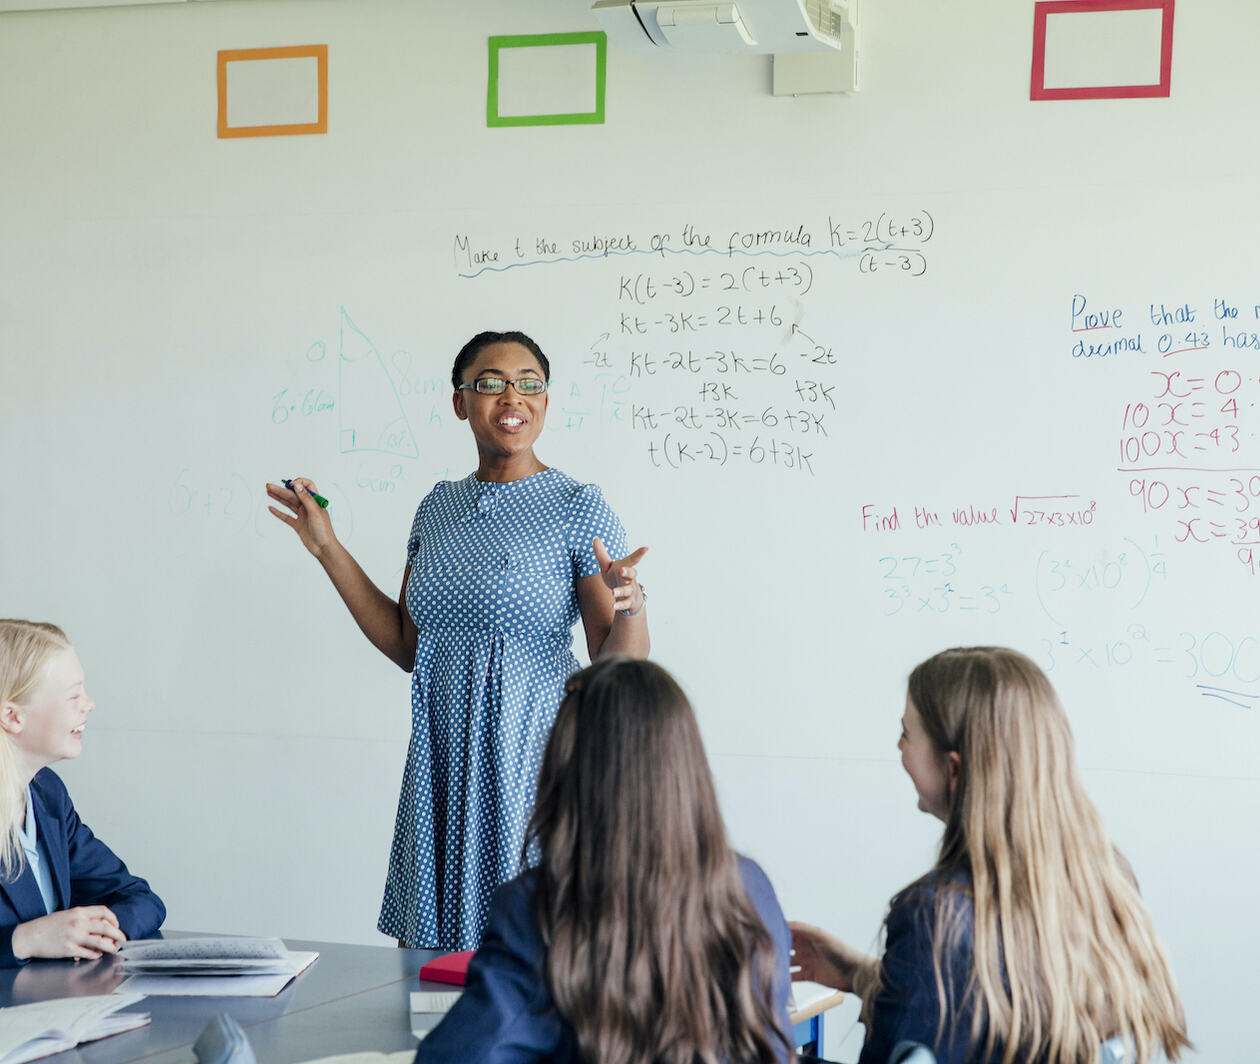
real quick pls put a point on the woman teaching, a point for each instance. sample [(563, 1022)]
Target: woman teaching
[(500, 566)]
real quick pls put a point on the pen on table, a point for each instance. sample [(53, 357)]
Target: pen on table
[(318, 498)]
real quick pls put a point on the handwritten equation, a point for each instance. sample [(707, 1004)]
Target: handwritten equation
[(1221, 667), (1188, 445), (888, 242), (762, 397), (1098, 602), (706, 357), (1029, 511), (937, 583)]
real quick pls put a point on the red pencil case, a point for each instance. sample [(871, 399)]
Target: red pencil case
[(449, 968)]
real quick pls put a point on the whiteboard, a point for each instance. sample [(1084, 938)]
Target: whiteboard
[(784, 333)]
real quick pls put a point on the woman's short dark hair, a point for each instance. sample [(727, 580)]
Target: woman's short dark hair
[(472, 349)]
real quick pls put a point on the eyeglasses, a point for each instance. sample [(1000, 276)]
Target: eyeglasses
[(497, 385)]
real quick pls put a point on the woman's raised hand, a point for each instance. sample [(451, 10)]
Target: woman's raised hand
[(309, 520), (621, 577), (819, 957)]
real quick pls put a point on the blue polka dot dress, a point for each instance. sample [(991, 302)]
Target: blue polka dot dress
[(493, 594)]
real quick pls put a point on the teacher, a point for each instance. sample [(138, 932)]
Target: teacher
[(500, 565)]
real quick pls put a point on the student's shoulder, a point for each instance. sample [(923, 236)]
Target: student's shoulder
[(752, 873), (757, 886), (512, 912), (938, 885), (915, 910), (932, 921), (518, 892), (47, 784)]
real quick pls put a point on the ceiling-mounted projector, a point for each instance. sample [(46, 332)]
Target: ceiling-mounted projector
[(776, 26)]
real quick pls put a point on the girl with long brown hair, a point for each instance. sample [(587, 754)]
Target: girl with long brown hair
[(1028, 941), (638, 936)]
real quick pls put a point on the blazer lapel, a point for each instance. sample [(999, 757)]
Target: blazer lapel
[(24, 897), (52, 833)]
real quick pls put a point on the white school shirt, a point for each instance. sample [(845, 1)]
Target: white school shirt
[(37, 855)]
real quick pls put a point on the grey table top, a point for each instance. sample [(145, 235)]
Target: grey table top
[(353, 998)]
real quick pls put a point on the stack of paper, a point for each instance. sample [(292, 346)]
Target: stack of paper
[(802, 996), (428, 1007), (429, 1001), (211, 967), (28, 1032)]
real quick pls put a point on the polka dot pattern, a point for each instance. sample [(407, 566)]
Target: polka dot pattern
[(493, 595)]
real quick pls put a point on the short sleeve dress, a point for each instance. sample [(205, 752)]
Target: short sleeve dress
[(493, 594)]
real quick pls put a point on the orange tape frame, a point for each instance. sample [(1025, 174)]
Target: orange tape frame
[(319, 52)]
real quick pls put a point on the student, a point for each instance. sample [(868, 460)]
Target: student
[(639, 937), (1028, 941), (63, 892)]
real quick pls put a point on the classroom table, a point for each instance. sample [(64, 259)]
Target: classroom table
[(354, 998)]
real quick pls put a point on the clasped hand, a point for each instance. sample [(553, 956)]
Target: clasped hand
[(84, 931)]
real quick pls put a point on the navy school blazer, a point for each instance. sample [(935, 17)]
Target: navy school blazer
[(84, 872), (505, 1014), (907, 1007)]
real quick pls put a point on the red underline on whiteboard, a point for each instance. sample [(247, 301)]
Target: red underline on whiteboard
[(1184, 469), (1094, 328), (1183, 350)]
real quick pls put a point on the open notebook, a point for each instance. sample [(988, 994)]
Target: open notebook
[(211, 967), (28, 1032)]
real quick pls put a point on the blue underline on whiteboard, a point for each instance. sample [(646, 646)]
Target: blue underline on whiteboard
[(1226, 695), (726, 254)]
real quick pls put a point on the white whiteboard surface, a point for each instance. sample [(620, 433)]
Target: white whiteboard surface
[(552, 79), (1085, 49), (184, 318), (273, 92)]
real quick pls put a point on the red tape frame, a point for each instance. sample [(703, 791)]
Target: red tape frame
[(1100, 92)]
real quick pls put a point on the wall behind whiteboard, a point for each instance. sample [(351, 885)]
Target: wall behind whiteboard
[(185, 318)]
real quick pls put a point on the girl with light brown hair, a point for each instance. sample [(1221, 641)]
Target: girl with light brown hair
[(639, 936), (1028, 941)]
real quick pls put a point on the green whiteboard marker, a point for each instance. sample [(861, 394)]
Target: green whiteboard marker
[(318, 498)]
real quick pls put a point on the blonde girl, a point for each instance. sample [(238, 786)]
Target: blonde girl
[(1028, 941), (63, 892)]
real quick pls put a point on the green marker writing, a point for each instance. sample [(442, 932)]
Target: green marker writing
[(318, 498)]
